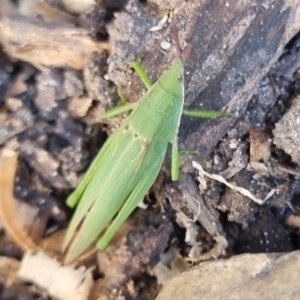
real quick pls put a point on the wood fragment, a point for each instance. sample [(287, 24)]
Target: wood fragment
[(62, 282), (45, 44)]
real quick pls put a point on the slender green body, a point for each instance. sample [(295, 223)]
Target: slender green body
[(128, 164)]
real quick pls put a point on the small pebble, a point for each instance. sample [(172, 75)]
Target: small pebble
[(233, 145), (216, 159), (165, 45)]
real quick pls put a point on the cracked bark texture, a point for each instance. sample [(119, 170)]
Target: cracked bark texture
[(234, 44)]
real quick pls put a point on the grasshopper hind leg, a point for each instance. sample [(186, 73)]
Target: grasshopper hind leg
[(137, 194)]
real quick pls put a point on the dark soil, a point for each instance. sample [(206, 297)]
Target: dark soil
[(55, 148)]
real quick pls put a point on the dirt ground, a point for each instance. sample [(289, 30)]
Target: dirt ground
[(52, 116)]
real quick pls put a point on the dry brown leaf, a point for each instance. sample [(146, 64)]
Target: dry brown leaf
[(61, 282), (8, 204), (53, 243), (241, 190), (30, 218), (260, 151), (259, 146)]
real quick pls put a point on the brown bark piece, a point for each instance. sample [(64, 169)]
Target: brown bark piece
[(46, 44), (241, 42), (234, 44)]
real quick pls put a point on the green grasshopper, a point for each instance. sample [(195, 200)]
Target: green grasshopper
[(130, 160)]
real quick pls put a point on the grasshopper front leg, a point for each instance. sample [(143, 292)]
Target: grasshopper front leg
[(125, 107)]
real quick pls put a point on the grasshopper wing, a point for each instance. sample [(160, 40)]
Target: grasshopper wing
[(146, 180), (115, 179)]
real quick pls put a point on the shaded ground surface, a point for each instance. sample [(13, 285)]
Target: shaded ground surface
[(57, 137)]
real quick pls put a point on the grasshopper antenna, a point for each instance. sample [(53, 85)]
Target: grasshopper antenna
[(184, 54)]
